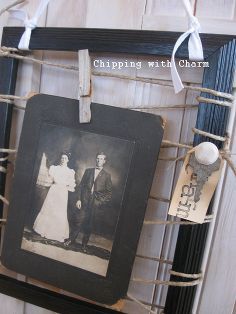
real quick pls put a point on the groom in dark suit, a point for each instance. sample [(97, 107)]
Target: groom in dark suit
[(95, 191)]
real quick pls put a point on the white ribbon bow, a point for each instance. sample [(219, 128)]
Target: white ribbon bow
[(194, 46), (29, 24)]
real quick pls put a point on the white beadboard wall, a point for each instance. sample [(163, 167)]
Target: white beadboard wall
[(218, 16)]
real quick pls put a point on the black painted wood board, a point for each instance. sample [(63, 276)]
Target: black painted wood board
[(213, 119), (8, 73), (111, 40)]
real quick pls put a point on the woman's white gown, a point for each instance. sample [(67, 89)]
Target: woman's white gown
[(52, 222)]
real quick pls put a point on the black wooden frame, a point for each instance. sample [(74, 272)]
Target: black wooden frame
[(219, 51)]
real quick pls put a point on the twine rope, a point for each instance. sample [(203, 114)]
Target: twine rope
[(168, 282), (167, 143), (210, 135), (132, 298), (197, 279), (3, 221), (183, 275), (158, 198), (4, 170), (14, 53), (4, 200), (207, 219), (213, 101), (156, 259)]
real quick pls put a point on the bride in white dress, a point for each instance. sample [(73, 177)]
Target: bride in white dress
[(52, 222)]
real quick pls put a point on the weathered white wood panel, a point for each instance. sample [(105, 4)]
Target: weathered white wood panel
[(217, 9), (215, 16), (11, 305), (32, 309), (156, 240), (115, 14), (219, 289), (28, 80), (4, 16), (165, 15), (166, 8), (64, 13)]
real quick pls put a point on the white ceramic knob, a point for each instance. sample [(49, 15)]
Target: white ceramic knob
[(206, 153)]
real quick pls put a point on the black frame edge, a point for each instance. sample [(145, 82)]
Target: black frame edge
[(192, 239)]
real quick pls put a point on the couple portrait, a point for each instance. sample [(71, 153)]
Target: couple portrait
[(77, 198)]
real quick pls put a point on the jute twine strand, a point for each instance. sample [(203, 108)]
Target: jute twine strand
[(168, 283), (7, 101), (214, 101), (229, 161), (174, 159), (156, 259), (11, 53), (4, 200), (166, 143), (8, 151), (14, 53), (4, 170), (210, 135), (132, 298), (197, 279), (161, 199), (183, 275), (207, 219)]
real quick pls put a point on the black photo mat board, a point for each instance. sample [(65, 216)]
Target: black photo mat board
[(219, 51), (131, 141)]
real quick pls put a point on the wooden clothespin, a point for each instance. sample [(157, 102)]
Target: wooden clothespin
[(84, 86)]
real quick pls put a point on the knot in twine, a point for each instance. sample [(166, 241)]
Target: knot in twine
[(6, 52)]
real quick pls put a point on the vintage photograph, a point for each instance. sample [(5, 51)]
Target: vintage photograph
[(76, 201)]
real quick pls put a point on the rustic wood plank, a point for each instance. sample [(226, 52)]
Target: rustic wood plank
[(118, 41), (171, 8), (220, 276), (169, 243), (65, 13), (33, 309), (216, 17), (119, 14), (11, 305), (219, 9), (165, 15)]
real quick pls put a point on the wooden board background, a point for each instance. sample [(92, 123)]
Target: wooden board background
[(218, 16)]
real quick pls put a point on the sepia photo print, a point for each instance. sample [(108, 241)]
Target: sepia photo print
[(76, 201)]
